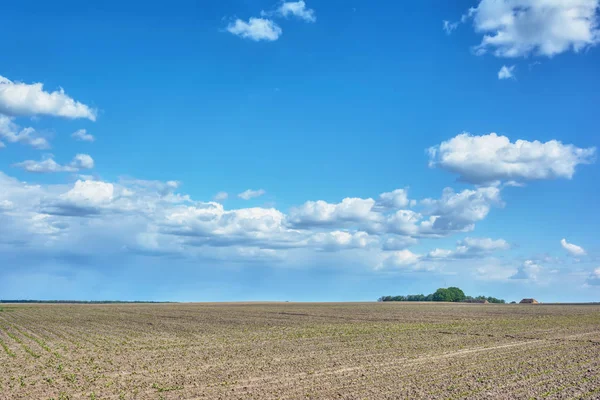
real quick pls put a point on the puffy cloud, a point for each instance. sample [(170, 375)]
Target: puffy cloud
[(256, 29), (398, 243), (48, 165), (573, 249), (453, 212), (221, 196), (319, 213), (82, 136), (45, 166), (12, 133), (336, 240), (518, 28), (594, 278), (440, 253), (458, 212), (506, 72), (488, 158), (401, 258), (471, 248), (297, 9), (528, 271), (484, 244), (83, 161), (21, 99), (90, 192), (395, 199), (251, 194), (151, 218)]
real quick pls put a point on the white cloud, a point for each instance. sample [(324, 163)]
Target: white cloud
[(518, 28), (151, 218), (48, 165), (594, 278), (395, 199), (528, 271), (83, 161), (458, 212), (441, 253), (573, 249), (484, 244), (401, 258), (256, 29), (337, 240), (488, 158), (297, 9), (471, 248), (251, 194), (453, 212), (506, 72), (82, 136), (315, 213), (90, 193), (12, 133), (21, 99), (449, 27), (221, 196)]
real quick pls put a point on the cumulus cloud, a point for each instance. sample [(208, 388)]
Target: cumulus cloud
[(336, 240), (256, 29), (251, 194), (529, 270), (82, 136), (594, 278), (151, 218), (573, 249), (471, 248), (400, 259), (506, 72), (398, 243), (395, 199), (297, 9), (48, 165), (21, 99), (453, 212), (488, 158), (316, 213), (458, 212), (93, 192), (12, 133), (519, 28)]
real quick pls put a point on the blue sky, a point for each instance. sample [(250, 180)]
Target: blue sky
[(254, 150)]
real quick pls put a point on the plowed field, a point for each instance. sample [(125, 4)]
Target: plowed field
[(299, 351)]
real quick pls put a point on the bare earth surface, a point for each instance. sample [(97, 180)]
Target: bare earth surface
[(299, 351)]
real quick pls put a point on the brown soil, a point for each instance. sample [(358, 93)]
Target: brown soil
[(299, 351)]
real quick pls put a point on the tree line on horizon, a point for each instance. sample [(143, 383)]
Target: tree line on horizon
[(451, 294)]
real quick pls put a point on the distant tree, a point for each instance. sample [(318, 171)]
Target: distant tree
[(442, 295), (451, 294), (456, 294)]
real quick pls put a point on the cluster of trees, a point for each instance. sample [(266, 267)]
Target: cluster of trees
[(451, 294), (490, 299)]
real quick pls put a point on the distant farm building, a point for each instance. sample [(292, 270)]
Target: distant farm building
[(529, 301), (478, 301)]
